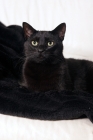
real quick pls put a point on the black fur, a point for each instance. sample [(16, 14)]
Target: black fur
[(45, 68)]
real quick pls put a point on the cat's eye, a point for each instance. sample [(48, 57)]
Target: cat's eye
[(34, 43), (50, 43)]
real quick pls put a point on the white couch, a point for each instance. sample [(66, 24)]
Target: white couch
[(78, 43)]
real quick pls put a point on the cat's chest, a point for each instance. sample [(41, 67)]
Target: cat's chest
[(41, 78)]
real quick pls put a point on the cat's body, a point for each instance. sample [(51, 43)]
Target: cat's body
[(45, 67), (40, 77), (81, 73)]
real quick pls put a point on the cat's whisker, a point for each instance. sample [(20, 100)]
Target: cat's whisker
[(59, 59), (20, 61)]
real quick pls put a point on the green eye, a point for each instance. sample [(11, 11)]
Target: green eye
[(34, 43), (50, 43)]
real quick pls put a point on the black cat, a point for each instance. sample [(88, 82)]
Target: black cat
[(45, 67)]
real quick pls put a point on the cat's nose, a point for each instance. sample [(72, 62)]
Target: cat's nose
[(40, 50)]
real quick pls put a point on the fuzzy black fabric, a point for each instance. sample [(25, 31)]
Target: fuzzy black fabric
[(51, 105)]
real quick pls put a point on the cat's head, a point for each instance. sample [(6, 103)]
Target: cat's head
[(44, 46)]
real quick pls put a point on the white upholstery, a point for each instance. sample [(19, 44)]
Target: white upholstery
[(13, 128), (78, 43)]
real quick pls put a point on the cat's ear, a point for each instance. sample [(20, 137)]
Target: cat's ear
[(28, 30), (60, 30)]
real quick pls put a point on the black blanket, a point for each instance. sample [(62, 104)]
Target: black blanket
[(51, 105)]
